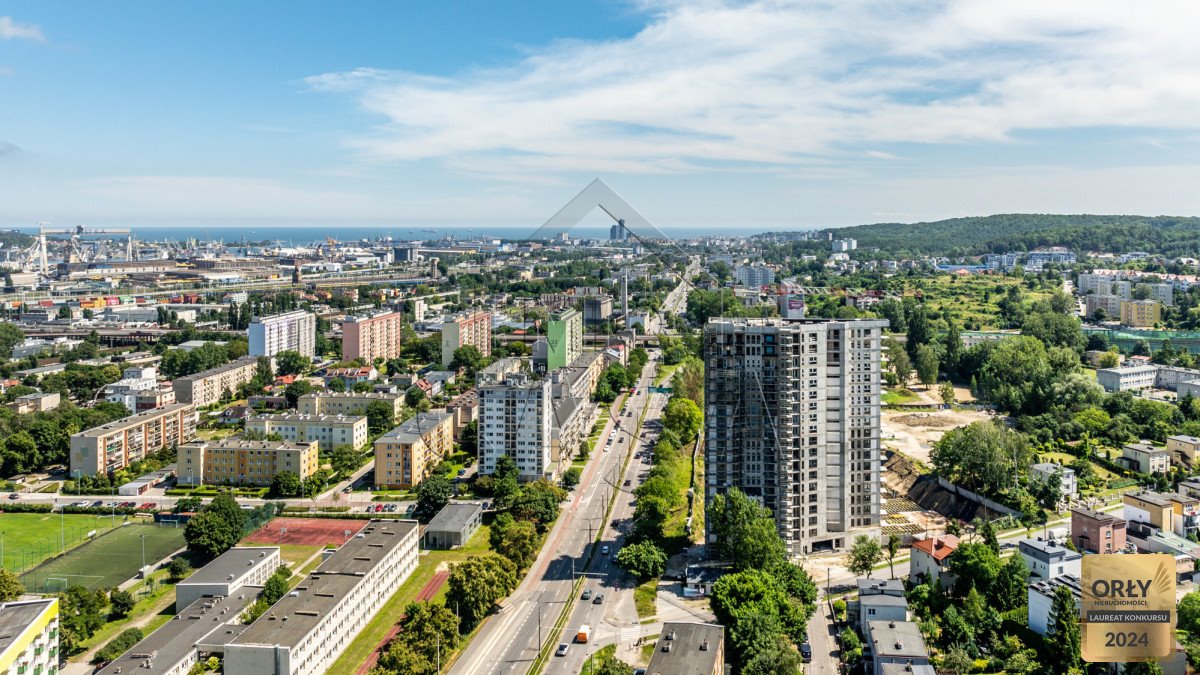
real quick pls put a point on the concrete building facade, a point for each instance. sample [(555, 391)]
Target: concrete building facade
[(239, 566), (291, 331), (29, 637), (350, 403), (472, 328), (406, 455), (376, 336), (564, 339), (329, 431), (1140, 313), (1127, 378), (208, 386), (792, 420), (113, 446), (514, 419), (236, 461), (306, 631)]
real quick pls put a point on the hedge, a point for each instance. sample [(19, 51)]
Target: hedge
[(119, 645)]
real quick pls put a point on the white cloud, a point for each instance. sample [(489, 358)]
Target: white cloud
[(879, 154), (11, 30), (785, 82)]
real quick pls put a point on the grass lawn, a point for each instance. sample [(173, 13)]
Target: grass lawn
[(1066, 459), (108, 560), (664, 374), (158, 599), (595, 660), (899, 396), (390, 613), (30, 538), (643, 598)]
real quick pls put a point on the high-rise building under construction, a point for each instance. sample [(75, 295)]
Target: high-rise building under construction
[(792, 420)]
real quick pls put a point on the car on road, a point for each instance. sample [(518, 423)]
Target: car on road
[(806, 652), (14, 495), (587, 594), (627, 482), (599, 599), (604, 550), (562, 649), (347, 489)]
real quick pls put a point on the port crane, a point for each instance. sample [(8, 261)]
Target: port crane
[(74, 234)]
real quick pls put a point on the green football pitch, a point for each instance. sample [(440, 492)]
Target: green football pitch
[(107, 560), (26, 539)]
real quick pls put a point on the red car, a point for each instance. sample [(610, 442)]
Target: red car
[(378, 508)]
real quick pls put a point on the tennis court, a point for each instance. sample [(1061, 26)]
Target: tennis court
[(306, 531), (106, 561)]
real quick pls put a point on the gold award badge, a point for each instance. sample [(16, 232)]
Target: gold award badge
[(1128, 608)]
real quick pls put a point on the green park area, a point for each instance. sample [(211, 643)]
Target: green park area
[(27, 539), (107, 560)]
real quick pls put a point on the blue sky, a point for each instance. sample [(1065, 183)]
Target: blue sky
[(753, 115)]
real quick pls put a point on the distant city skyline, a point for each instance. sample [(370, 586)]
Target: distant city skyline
[(749, 115)]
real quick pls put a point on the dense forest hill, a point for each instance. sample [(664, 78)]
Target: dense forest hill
[(14, 239), (1167, 235)]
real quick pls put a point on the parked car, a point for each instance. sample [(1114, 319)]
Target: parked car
[(14, 496), (806, 652), (378, 508), (604, 550), (98, 502)]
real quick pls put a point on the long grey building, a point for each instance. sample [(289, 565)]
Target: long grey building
[(306, 631), (792, 419)]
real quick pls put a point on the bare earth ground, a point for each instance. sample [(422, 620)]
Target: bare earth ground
[(913, 433)]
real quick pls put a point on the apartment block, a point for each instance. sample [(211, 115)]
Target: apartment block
[(792, 420), (347, 403), (208, 386), (472, 328), (1140, 313), (376, 336), (1096, 531), (597, 309), (291, 331), (237, 461), (1111, 304), (754, 275), (514, 419), (407, 454), (306, 631), (29, 637), (113, 446), (329, 431), (564, 339)]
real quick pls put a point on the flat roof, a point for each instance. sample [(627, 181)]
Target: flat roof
[(454, 517), (15, 617), (299, 612), (415, 427), (302, 417), (378, 395), (232, 365), (234, 562), (212, 620), (133, 420), (694, 648), (1048, 586), (237, 443), (896, 639)]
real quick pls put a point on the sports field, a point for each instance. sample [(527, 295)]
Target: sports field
[(107, 560), (306, 531), (29, 538)]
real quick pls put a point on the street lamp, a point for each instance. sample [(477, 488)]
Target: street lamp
[(143, 555)]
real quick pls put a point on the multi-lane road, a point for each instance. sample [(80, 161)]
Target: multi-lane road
[(509, 641), (614, 619)]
